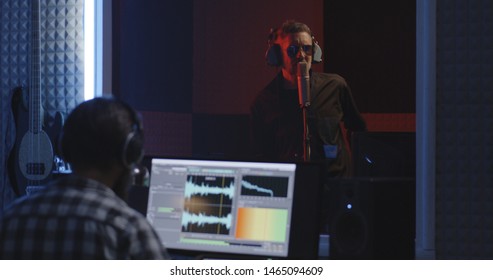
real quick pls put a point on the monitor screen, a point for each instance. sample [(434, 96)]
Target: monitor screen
[(228, 207)]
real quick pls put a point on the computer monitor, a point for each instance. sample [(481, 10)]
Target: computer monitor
[(235, 208)]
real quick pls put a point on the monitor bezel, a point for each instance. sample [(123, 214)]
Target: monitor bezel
[(305, 220)]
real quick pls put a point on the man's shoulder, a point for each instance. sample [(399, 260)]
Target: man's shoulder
[(16, 207), (268, 95), (328, 78), (80, 200)]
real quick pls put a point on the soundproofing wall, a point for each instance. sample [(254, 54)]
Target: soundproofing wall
[(464, 163)]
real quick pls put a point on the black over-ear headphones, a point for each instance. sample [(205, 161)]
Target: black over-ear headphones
[(273, 55), (133, 147)]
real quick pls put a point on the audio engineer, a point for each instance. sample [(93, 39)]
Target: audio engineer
[(84, 215)]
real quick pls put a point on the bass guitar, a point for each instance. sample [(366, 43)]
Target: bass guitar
[(32, 156)]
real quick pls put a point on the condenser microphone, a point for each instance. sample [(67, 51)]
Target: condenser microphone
[(303, 84)]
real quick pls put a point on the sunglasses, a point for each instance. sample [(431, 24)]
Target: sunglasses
[(294, 49)]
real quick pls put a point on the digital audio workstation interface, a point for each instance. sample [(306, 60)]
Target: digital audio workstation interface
[(222, 206)]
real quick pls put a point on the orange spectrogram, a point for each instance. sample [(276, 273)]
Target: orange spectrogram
[(262, 224)]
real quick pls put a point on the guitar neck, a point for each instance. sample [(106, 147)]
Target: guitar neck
[(35, 88)]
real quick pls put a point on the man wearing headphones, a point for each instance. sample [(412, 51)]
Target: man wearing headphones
[(288, 126), (83, 215)]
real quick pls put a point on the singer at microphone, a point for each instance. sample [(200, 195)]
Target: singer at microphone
[(298, 95)]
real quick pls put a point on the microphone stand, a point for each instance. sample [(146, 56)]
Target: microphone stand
[(306, 132), (303, 76)]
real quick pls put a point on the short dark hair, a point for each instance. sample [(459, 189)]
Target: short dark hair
[(95, 133), (289, 27), (292, 26)]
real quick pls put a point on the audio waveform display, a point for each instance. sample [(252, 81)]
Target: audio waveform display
[(264, 186), (208, 203), (256, 188), (262, 224), (209, 185), (206, 224)]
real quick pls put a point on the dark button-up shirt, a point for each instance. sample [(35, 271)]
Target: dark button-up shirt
[(277, 122)]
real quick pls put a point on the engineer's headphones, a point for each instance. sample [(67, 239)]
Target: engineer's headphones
[(133, 148), (273, 55)]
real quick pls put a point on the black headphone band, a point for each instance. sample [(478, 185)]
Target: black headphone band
[(133, 150)]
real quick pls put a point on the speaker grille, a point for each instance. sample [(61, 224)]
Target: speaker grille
[(350, 234), (372, 218)]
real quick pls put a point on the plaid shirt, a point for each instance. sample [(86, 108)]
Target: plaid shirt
[(76, 218)]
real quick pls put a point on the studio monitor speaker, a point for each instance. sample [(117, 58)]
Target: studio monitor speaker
[(384, 154), (372, 218)]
